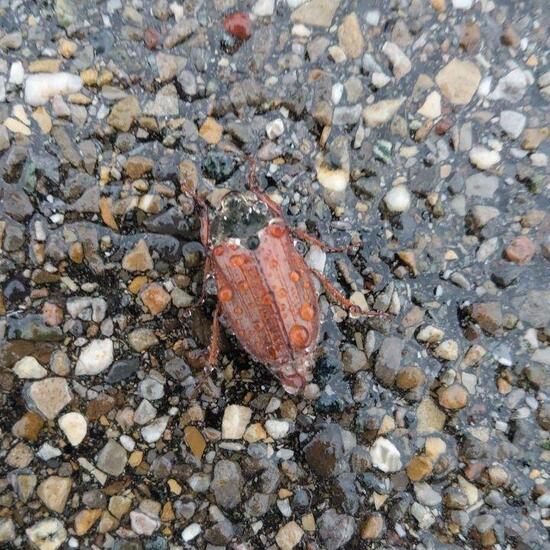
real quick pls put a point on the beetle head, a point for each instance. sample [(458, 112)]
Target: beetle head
[(295, 374), (239, 216)]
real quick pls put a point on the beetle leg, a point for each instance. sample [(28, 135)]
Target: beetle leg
[(207, 270), (304, 236), (338, 297), (253, 186), (213, 352)]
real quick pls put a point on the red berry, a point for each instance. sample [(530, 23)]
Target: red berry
[(238, 24)]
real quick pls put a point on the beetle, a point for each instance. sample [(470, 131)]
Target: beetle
[(265, 290)]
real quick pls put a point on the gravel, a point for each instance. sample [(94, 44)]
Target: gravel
[(413, 137)]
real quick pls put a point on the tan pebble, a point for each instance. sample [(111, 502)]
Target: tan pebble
[(89, 77), (211, 131), (85, 519), (453, 397), (419, 468), (66, 48), (195, 441), (155, 298)]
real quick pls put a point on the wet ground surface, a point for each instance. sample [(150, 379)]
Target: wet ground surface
[(417, 129)]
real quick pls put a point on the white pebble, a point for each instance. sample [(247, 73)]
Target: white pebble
[(275, 128), (277, 428), (398, 199), (264, 8), (29, 368), (95, 358), (41, 87), (385, 456), (235, 421), (483, 158), (337, 92), (190, 532), (74, 426), (17, 73)]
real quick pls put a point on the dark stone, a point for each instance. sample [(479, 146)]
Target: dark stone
[(324, 451), (121, 370), (218, 166)]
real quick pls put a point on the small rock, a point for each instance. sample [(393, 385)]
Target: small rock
[(350, 36), (95, 357), (488, 315), (520, 250), (511, 87), (227, 484), (143, 524), (385, 456), (7, 531), (264, 8), (153, 432), (138, 166), (124, 113), (47, 534), (458, 81), (48, 396), (453, 397), (430, 418), (512, 123), (335, 529), (419, 468), (275, 129), (289, 536), (155, 298), (29, 368), (191, 532), (277, 428), (398, 199), (112, 458), (381, 112), (138, 259), (41, 87), (373, 527), (401, 64), (410, 378), (211, 131), (483, 158), (85, 519), (74, 427), (235, 421), (316, 13), (447, 350), (54, 492)]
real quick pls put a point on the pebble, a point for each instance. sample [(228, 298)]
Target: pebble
[(385, 456), (227, 484), (47, 534), (512, 123), (49, 396), (112, 458), (74, 426), (381, 112), (236, 419), (143, 524), (95, 357), (483, 158), (335, 529), (315, 13), (54, 492), (277, 429), (350, 36), (520, 250), (41, 87), (275, 129), (289, 536), (447, 350), (29, 368), (373, 527), (459, 81), (153, 431), (398, 199), (401, 64), (453, 397), (191, 532)]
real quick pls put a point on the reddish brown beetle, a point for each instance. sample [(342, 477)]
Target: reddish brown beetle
[(265, 290)]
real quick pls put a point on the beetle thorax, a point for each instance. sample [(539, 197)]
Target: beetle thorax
[(239, 216)]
